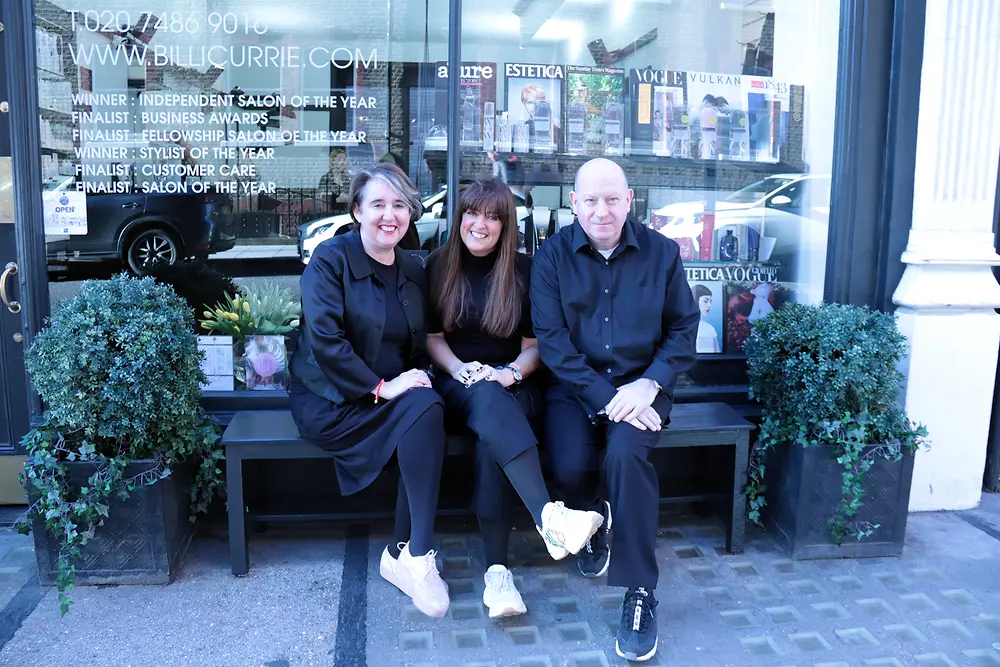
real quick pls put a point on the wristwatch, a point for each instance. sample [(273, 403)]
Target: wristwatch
[(516, 372), (659, 387)]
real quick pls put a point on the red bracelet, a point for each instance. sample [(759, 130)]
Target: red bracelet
[(378, 389)]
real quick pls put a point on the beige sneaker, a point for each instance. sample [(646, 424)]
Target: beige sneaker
[(501, 595), (392, 572), (565, 530), (427, 589)]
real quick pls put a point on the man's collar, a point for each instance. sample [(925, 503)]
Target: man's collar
[(628, 237)]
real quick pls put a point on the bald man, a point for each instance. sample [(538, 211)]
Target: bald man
[(616, 324)]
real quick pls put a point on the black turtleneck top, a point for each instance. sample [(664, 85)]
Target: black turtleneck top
[(467, 339)]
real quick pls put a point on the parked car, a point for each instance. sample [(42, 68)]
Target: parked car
[(789, 210), (432, 227), (142, 230)]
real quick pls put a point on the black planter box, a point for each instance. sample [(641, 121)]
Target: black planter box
[(142, 541), (804, 491)]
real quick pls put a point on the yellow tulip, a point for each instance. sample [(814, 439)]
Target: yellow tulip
[(208, 314), (233, 316), (218, 311), (246, 306), (236, 328)]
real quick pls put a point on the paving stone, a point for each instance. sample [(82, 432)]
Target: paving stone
[(717, 594), (876, 607), (989, 621), (959, 596), (983, 657), (831, 610), (762, 646), (534, 661), (552, 581), (702, 573), (927, 574), (575, 632), (466, 611), (765, 592), (884, 662), (952, 628), (670, 534), (570, 605), (412, 641), (469, 638), (919, 602), (848, 583), (738, 619), (785, 566), (807, 587), (588, 659), (685, 552), (892, 581), (934, 660), (810, 641), (786, 614), (905, 633), (610, 600), (743, 569), (526, 636), (458, 587), (832, 664), (479, 664), (857, 637)]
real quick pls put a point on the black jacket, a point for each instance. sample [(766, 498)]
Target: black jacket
[(343, 314)]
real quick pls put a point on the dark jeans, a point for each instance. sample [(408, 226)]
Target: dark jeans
[(574, 446)]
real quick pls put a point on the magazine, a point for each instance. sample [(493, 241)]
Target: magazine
[(594, 110), (658, 119), (477, 96), (534, 106)]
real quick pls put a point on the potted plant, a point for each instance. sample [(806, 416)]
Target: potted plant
[(835, 444), (124, 457), (257, 318)]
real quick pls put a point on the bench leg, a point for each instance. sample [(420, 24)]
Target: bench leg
[(236, 509), (738, 517)]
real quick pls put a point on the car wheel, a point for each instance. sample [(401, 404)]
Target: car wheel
[(151, 248)]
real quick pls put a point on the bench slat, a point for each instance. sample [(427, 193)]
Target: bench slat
[(690, 425)]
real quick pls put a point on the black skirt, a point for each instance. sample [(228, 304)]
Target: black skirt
[(363, 435)]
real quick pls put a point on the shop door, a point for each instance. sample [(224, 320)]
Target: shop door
[(14, 417), (14, 407)]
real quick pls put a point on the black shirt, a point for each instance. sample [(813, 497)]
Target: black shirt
[(391, 359), (467, 339), (602, 323)]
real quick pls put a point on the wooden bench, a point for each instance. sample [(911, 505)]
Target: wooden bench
[(273, 435)]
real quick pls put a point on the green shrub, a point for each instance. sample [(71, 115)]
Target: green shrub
[(118, 369), (828, 375)]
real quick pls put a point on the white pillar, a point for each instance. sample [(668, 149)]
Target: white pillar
[(947, 294)]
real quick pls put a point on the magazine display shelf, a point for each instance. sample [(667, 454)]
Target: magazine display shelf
[(643, 171)]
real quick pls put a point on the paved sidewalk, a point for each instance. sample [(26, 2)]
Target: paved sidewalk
[(314, 597)]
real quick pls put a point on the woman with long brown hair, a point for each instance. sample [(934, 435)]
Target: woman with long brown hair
[(480, 335)]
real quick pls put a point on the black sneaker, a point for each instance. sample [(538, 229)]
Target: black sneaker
[(637, 631), (595, 557)]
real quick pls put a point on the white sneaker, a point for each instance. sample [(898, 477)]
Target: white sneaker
[(501, 594), (566, 531), (392, 572), (427, 589)]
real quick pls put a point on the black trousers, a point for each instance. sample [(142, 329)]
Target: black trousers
[(501, 421), (574, 445)]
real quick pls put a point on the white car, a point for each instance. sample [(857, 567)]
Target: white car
[(431, 226), (789, 212)]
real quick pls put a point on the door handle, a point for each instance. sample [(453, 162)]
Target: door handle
[(9, 270), (131, 204)]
